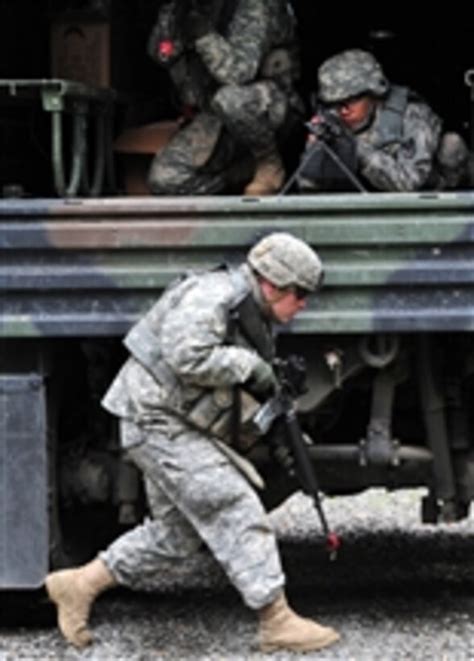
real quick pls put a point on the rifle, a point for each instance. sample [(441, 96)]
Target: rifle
[(326, 131), (280, 409)]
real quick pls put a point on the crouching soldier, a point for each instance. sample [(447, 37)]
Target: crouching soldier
[(190, 358), (386, 135), (234, 65)]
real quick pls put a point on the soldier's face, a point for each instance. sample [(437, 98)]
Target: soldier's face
[(285, 303), (356, 111)]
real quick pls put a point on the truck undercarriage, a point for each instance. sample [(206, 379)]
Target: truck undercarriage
[(388, 342)]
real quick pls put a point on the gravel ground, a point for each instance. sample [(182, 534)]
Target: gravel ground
[(399, 590)]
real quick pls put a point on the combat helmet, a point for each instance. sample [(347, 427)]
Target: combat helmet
[(286, 261), (350, 73)]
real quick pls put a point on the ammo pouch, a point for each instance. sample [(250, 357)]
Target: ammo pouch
[(213, 413)]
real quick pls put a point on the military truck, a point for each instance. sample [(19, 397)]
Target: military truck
[(387, 342)]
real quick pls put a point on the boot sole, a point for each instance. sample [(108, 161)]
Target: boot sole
[(301, 647)]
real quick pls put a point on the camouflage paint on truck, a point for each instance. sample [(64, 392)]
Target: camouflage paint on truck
[(387, 342), (90, 267)]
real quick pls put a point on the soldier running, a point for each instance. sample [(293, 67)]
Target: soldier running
[(205, 342)]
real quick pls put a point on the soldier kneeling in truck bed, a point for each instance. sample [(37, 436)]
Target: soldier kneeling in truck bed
[(385, 135), (233, 64)]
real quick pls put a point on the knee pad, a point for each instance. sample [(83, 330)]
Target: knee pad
[(452, 151), (227, 100)]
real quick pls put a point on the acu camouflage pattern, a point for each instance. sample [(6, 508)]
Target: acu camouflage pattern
[(348, 74), (182, 362), (286, 261), (413, 155), (402, 147), (401, 159), (196, 494), (240, 79), (197, 498)]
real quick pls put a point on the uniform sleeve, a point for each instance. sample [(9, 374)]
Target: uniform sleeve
[(406, 166), (192, 341), (237, 58)]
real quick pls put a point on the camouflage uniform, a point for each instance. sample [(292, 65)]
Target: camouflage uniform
[(399, 155), (174, 396), (207, 336), (402, 147), (239, 77)]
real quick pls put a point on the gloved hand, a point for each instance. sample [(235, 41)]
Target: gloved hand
[(197, 24), (279, 449), (262, 381)]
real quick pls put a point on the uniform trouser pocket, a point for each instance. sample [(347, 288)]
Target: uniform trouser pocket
[(207, 497)]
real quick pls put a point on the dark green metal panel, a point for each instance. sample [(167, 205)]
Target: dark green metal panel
[(394, 262)]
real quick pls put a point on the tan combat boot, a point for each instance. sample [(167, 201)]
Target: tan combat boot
[(74, 591), (281, 628), (268, 177)]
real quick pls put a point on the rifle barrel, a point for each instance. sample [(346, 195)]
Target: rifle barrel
[(304, 468)]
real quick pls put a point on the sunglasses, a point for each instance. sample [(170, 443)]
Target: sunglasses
[(299, 292)]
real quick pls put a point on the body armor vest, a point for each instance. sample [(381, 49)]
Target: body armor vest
[(213, 410), (389, 120)]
